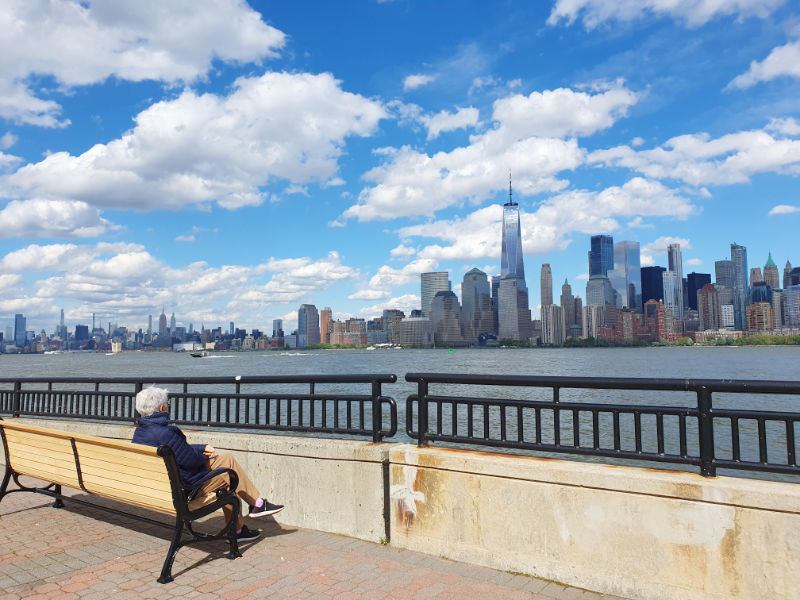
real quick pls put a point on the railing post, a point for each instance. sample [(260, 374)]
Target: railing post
[(422, 418), (15, 401), (706, 431), (377, 423)]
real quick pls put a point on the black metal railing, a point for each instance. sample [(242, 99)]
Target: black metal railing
[(321, 404), (697, 434)]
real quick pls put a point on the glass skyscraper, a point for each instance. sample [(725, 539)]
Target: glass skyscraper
[(675, 266), (307, 326), (740, 285), (476, 306), (431, 284), (626, 276), (601, 255), (513, 313)]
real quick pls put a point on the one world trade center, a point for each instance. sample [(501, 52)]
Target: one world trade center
[(513, 313)]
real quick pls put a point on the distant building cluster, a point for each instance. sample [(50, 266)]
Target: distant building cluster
[(624, 303)]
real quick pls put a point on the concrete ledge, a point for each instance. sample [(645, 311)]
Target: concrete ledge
[(638, 533)]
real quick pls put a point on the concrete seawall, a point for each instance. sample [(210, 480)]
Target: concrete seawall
[(633, 532)]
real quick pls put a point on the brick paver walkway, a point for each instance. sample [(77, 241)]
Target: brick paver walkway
[(79, 552)]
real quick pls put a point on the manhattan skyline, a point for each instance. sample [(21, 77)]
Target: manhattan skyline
[(236, 180)]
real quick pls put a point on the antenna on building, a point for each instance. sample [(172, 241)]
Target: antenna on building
[(510, 197)]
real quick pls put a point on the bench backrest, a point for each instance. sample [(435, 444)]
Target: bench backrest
[(133, 473)]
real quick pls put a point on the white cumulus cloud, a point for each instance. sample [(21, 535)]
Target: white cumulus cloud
[(782, 61), (40, 218), (446, 121), (693, 12), (784, 209), (699, 159), (82, 43), (525, 138), (199, 149), (413, 82)]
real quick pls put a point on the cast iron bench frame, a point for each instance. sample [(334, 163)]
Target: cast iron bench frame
[(60, 451)]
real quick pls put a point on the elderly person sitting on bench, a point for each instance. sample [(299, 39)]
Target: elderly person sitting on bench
[(195, 460)]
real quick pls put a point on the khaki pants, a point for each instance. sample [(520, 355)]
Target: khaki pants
[(245, 490)]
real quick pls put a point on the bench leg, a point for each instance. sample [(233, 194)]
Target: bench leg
[(6, 479), (58, 503), (166, 570)]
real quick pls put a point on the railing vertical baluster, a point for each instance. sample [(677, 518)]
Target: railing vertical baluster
[(422, 417), (637, 429), (470, 417), (576, 429), (660, 432), (596, 429), (377, 417), (617, 442), (682, 435), (538, 425), (706, 431), (520, 425), (503, 422), (736, 452), (762, 441), (556, 417), (791, 457)]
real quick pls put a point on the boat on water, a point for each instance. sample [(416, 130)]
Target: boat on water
[(199, 353)]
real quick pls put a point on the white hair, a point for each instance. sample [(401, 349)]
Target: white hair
[(149, 400)]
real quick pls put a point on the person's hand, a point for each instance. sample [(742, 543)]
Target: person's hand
[(209, 451)]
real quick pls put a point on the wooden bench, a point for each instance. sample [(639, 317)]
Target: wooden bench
[(140, 475)]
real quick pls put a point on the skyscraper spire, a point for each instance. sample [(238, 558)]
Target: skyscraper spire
[(510, 197)]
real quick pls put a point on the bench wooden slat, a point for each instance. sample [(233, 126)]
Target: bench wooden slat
[(127, 461), (54, 473), (67, 435), (125, 470), (130, 494), (39, 440)]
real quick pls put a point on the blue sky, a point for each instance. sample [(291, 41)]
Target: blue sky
[(230, 161)]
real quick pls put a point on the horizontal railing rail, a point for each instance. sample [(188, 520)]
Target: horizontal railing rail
[(698, 434), (272, 403)]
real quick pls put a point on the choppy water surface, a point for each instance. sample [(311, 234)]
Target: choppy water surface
[(769, 363)]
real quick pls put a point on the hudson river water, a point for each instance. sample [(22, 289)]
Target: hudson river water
[(770, 363)]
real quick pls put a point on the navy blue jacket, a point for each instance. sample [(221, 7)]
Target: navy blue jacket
[(155, 430)]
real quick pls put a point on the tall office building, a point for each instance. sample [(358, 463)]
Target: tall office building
[(599, 291), (567, 305), (626, 276), (723, 273), (477, 316), (446, 318), (325, 325), (19, 330), (307, 326), (671, 297), (709, 308), (676, 266), (511, 243), (755, 275), (740, 285), (431, 284), (553, 325), (277, 328), (513, 312), (787, 273), (172, 324), (652, 284), (546, 281), (162, 323), (771, 275), (601, 255), (695, 283)]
